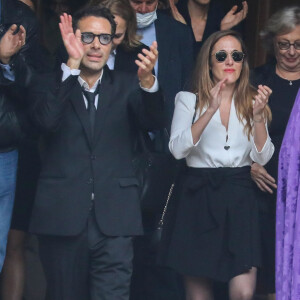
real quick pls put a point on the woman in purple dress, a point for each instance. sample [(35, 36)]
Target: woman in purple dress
[(288, 211)]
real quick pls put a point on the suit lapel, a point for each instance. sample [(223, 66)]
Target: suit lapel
[(82, 113), (104, 101), (164, 48)]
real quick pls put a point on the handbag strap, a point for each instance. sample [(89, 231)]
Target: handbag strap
[(179, 168)]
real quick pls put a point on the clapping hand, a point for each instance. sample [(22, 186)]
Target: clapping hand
[(216, 94), (71, 41), (11, 43), (146, 63), (175, 13), (232, 19), (261, 100)]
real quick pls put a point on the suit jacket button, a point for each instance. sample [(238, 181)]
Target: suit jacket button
[(93, 157), (90, 181)]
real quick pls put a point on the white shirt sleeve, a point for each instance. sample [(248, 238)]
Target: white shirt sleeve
[(181, 140), (154, 87), (68, 72), (263, 156)]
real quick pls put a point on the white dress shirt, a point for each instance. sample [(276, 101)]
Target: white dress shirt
[(209, 151)]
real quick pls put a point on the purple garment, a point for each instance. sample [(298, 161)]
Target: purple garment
[(288, 211)]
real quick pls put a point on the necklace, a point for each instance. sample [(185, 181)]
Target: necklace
[(281, 75)]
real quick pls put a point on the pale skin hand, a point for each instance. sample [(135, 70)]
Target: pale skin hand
[(11, 43), (215, 102), (261, 100), (71, 41), (231, 19), (262, 178), (146, 64), (175, 13)]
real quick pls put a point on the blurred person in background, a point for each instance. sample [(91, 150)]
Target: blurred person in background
[(206, 17)]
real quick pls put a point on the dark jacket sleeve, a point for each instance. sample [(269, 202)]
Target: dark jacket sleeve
[(148, 109), (49, 99)]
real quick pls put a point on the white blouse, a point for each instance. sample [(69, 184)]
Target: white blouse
[(209, 151)]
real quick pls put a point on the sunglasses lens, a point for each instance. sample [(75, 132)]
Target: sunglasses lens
[(105, 39), (237, 56), (87, 37), (221, 56)]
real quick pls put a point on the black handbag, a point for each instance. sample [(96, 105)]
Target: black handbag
[(155, 168)]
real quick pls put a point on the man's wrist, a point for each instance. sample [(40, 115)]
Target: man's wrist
[(147, 82), (4, 61), (73, 63)]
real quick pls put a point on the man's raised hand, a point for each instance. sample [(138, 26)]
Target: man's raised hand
[(71, 41)]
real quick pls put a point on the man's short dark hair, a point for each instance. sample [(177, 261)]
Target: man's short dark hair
[(95, 11)]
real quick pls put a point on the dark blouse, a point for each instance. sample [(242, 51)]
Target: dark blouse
[(281, 103), (214, 18)]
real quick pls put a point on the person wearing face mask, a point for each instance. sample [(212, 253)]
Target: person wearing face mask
[(281, 37), (175, 42)]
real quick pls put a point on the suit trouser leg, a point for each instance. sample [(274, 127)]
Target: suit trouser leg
[(88, 266), (110, 265), (65, 262)]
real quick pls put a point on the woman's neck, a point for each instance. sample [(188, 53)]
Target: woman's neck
[(286, 74), (197, 10)]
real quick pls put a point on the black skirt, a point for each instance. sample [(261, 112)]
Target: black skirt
[(212, 229)]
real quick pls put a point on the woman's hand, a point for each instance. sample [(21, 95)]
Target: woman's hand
[(175, 13), (261, 100), (232, 19), (216, 95), (262, 178), (71, 41)]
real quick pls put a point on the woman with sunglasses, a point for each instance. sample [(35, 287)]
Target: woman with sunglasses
[(214, 230), (281, 37)]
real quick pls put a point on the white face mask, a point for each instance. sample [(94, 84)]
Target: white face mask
[(144, 20)]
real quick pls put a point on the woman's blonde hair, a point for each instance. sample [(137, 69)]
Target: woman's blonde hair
[(123, 9), (203, 82)]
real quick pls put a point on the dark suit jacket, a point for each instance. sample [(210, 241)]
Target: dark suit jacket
[(175, 61), (74, 164)]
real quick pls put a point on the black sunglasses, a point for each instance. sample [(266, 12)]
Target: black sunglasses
[(237, 56), (287, 45), (88, 38)]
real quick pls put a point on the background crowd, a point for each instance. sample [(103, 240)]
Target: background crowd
[(191, 35)]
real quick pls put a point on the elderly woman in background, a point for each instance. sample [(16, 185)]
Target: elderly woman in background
[(282, 38)]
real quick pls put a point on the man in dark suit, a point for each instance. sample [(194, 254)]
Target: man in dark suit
[(87, 203)]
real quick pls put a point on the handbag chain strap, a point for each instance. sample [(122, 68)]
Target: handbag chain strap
[(161, 221)]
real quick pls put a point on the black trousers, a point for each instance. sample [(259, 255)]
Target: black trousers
[(90, 266)]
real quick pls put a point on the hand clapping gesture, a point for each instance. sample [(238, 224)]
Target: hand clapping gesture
[(11, 43), (146, 63), (216, 94), (232, 19), (71, 41), (261, 100)]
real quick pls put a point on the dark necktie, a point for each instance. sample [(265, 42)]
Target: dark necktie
[(90, 97)]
